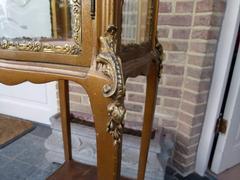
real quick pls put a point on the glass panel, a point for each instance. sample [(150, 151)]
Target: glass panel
[(52, 25), (137, 19)]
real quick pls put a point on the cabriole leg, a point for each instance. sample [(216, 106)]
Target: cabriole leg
[(108, 150)]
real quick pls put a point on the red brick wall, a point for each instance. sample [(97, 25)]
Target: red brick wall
[(188, 31)]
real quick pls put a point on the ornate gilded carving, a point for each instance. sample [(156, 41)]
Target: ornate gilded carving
[(36, 46), (160, 56), (77, 11), (110, 65), (28, 44)]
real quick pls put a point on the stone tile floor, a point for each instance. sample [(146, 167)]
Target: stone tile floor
[(24, 159)]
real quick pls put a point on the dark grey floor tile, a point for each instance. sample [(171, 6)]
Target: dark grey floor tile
[(35, 158), (34, 154), (16, 170), (42, 131), (4, 161), (170, 171), (38, 174), (170, 177), (195, 177), (17, 147), (52, 167)]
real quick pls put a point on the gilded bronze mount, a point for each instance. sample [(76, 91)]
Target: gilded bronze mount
[(110, 65)]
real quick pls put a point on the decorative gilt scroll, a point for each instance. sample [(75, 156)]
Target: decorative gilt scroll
[(50, 46), (37, 46), (110, 65), (160, 56)]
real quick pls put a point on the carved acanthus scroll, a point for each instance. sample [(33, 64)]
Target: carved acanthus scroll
[(110, 65), (159, 55)]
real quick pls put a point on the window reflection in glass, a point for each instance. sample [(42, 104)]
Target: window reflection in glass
[(137, 17), (45, 20)]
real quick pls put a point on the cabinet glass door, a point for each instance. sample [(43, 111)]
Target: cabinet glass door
[(52, 26)]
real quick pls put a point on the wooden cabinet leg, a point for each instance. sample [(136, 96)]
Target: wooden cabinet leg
[(108, 153), (152, 85), (65, 118)]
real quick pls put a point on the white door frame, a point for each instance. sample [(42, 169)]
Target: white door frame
[(224, 55)]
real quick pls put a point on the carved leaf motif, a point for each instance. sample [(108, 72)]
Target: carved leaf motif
[(110, 65)]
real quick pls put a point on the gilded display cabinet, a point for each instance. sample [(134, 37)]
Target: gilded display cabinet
[(95, 43)]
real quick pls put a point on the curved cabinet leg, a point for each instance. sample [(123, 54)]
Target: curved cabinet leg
[(152, 86), (65, 118), (108, 150)]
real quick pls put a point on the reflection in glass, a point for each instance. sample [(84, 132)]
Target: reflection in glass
[(55, 22), (137, 17)]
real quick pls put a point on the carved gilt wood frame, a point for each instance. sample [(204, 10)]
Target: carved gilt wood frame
[(78, 53), (38, 46)]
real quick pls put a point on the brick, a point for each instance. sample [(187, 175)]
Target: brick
[(77, 89), (177, 58), (134, 117), (198, 73), (193, 108), (185, 140), (173, 70), (80, 108), (170, 92), (183, 158), (175, 81), (140, 79), (135, 87), (182, 168), (185, 150), (196, 85), (204, 6), (189, 130), (175, 20), (172, 103), (184, 7), (136, 98), (190, 120), (219, 6), (133, 107), (174, 45), (85, 100), (205, 34), (201, 61), (195, 97), (75, 98), (168, 123), (181, 33), (210, 6), (167, 113), (165, 7), (158, 101), (196, 129), (208, 20), (163, 33), (200, 47)]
